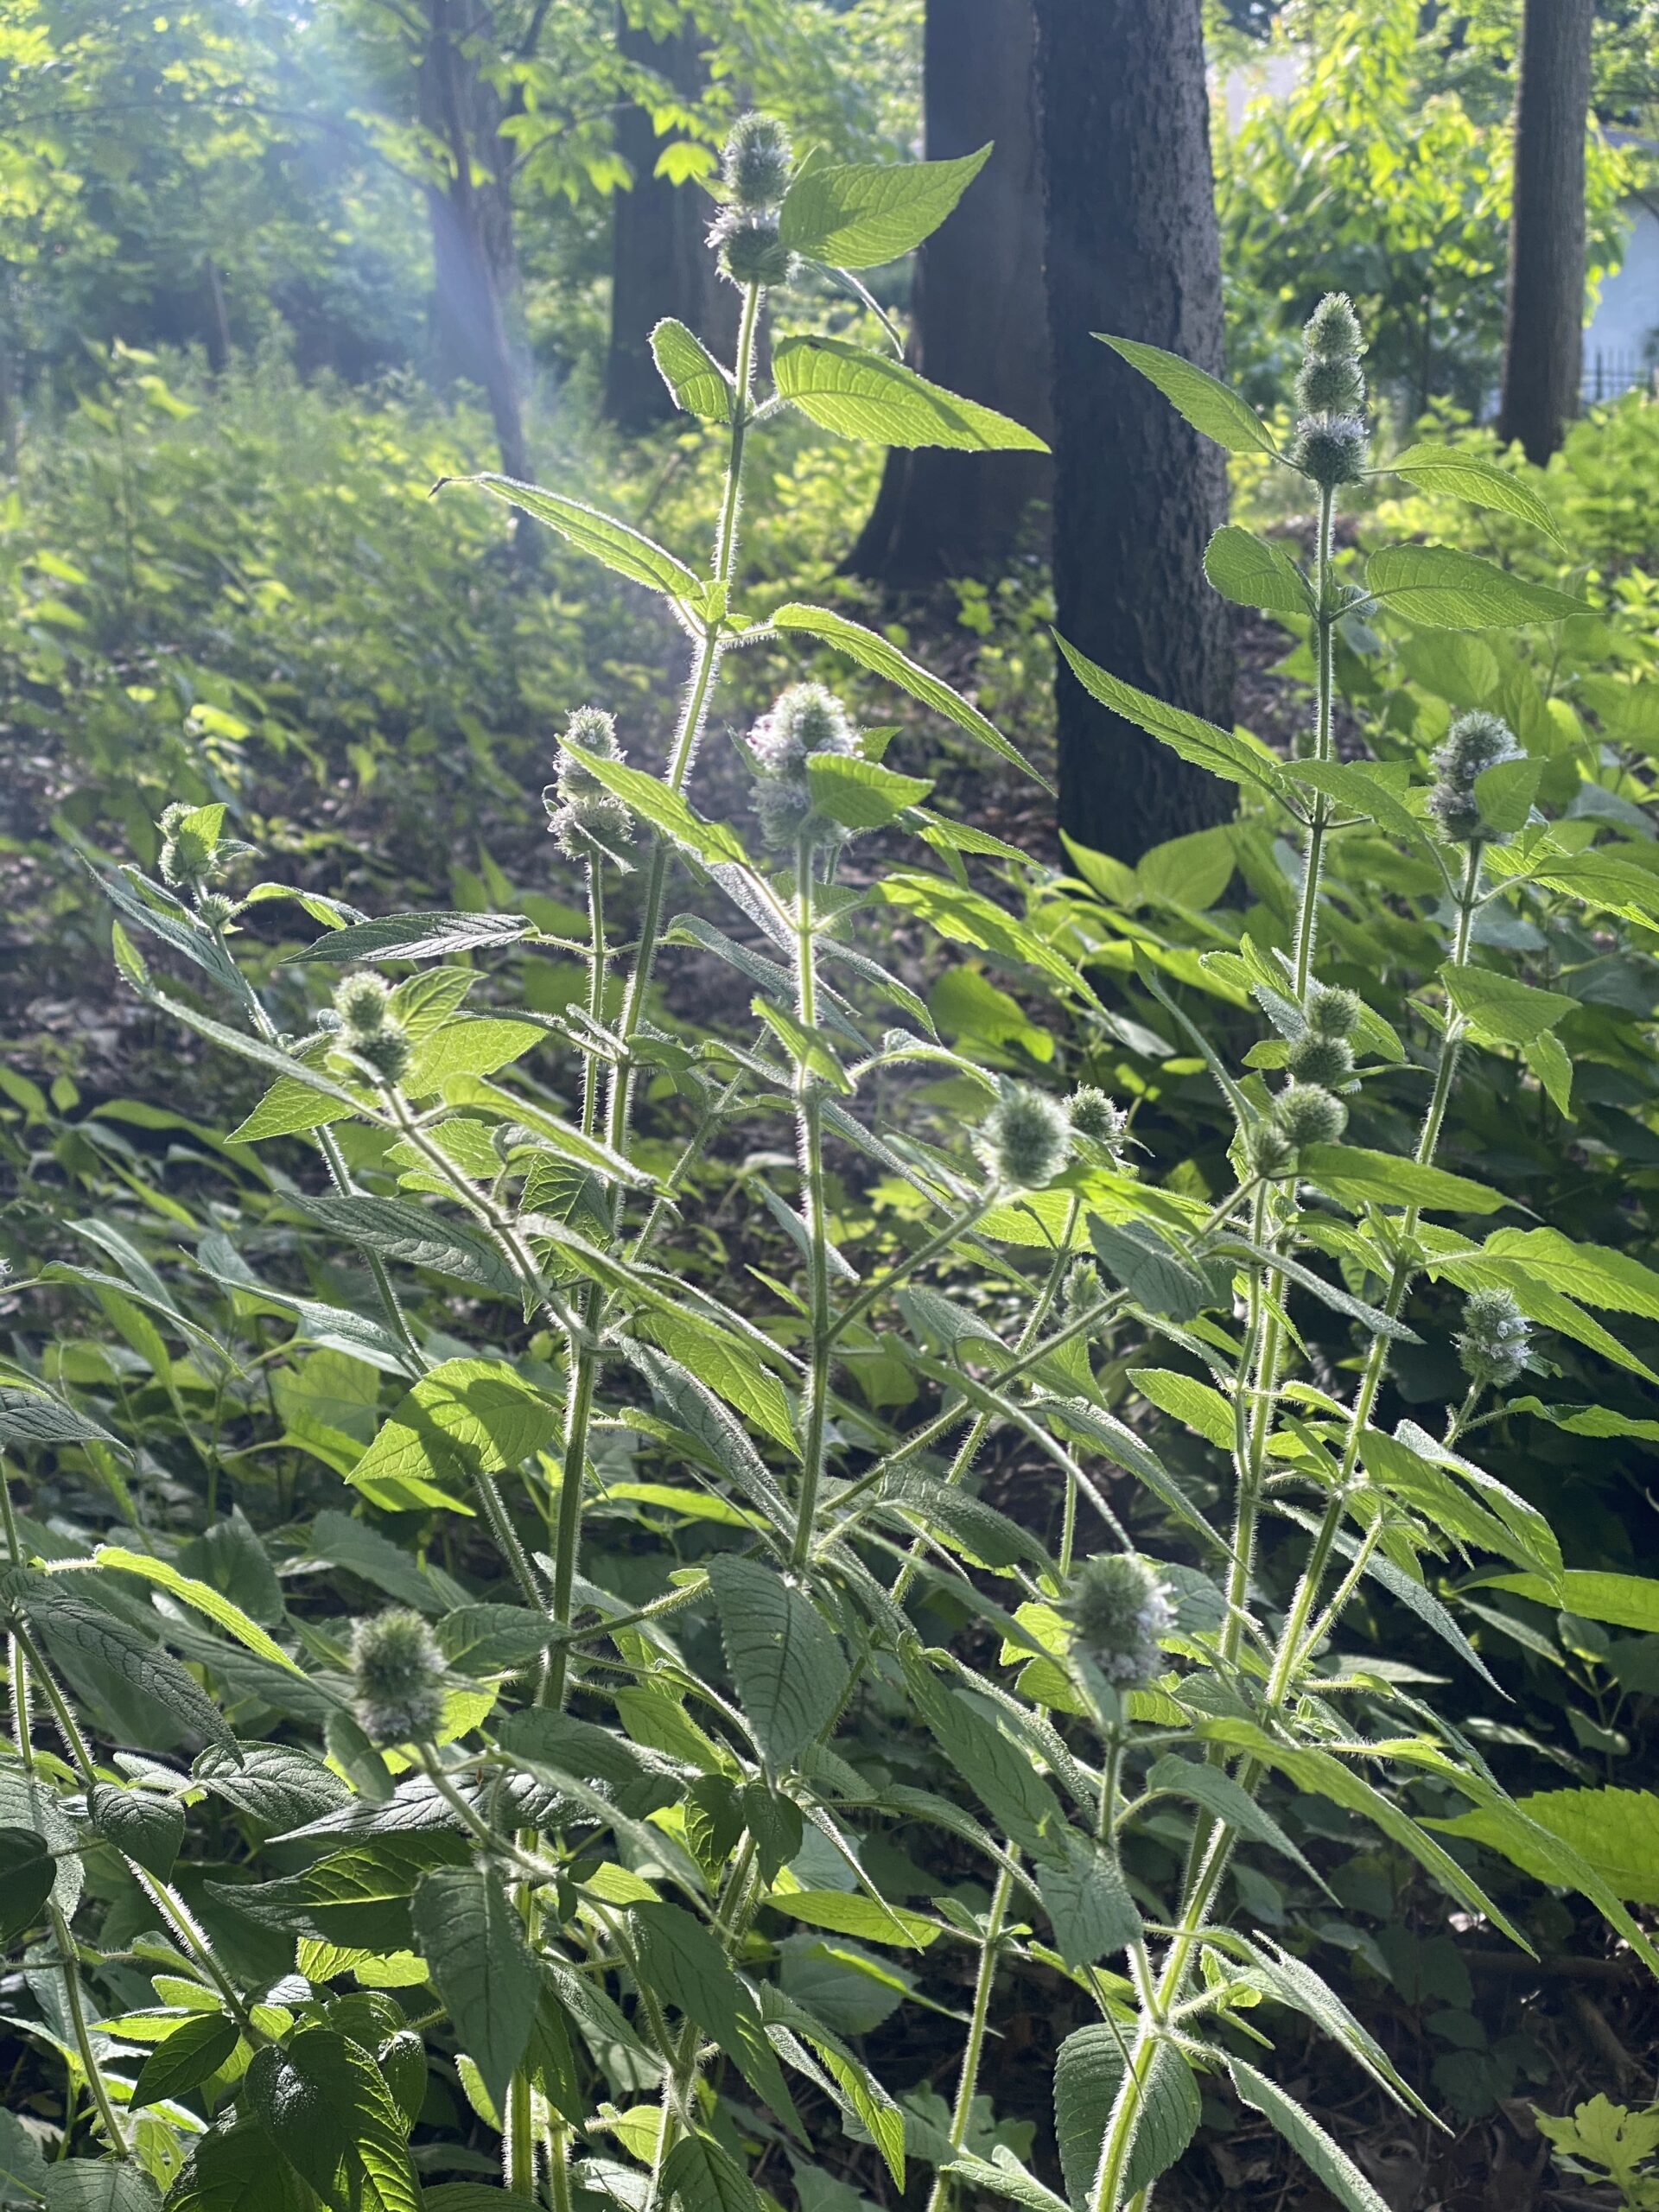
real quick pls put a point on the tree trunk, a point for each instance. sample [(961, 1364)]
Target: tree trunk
[(474, 258), (979, 316), (1133, 249), (1543, 337), (660, 263)]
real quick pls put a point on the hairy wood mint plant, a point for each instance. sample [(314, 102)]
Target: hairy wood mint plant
[(617, 1862)]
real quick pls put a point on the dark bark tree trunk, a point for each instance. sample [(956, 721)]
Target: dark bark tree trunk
[(660, 265), (1133, 249), (979, 316), (474, 258), (1543, 337)]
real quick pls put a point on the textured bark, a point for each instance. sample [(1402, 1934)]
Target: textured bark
[(660, 263), (1132, 250), (474, 258), (1543, 337), (979, 313)]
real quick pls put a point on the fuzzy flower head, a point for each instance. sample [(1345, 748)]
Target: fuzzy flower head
[(806, 718), (1333, 1012), (590, 822), (188, 860), (361, 1001), (1309, 1113), (751, 251), (1475, 742), (755, 160), (1331, 333), (1330, 448), (397, 1678), (1495, 1339), (802, 721), (1119, 1609), (368, 1029), (1314, 1058), (1335, 387), (1025, 1139), (1097, 1119), (1265, 1149)]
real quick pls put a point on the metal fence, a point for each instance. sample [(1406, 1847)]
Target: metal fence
[(1609, 370)]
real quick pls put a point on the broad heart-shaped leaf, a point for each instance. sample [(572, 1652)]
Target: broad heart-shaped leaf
[(1469, 476), (399, 1230), (1248, 570), (999, 1773), (1325, 2158), (1444, 589), (1621, 1600), (789, 1669), (28, 1871), (617, 544), (681, 1962), (325, 2105), (140, 1823), (470, 1936), (1225, 753), (235, 2170), (76, 1631), (197, 2047), (726, 1367), (1208, 405), (706, 2178), (1358, 1177), (1087, 2075), (856, 215), (415, 936), (201, 1595), (1086, 1899), (1504, 1010), (664, 809), (100, 2186), (860, 794), (875, 399), (1155, 1274), (28, 1805), (278, 1785), (690, 371), (1615, 1831), (882, 658), (467, 1418), (29, 1416)]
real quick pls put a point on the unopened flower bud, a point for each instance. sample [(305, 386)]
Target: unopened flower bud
[(1330, 448), (1083, 1287), (213, 909), (188, 859), (1119, 1609), (1026, 1140), (1327, 1060), (755, 160), (1332, 1011), (1309, 1113), (1494, 1342), (590, 822), (397, 1678), (782, 806)]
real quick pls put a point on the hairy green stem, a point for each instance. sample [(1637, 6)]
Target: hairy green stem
[(990, 1952), (68, 1957), (567, 1539), (809, 1115)]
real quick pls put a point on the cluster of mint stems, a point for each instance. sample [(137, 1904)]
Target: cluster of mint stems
[(1255, 1403)]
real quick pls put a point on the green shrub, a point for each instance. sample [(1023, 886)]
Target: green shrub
[(676, 1708)]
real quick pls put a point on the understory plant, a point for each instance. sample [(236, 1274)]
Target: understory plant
[(697, 1717)]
